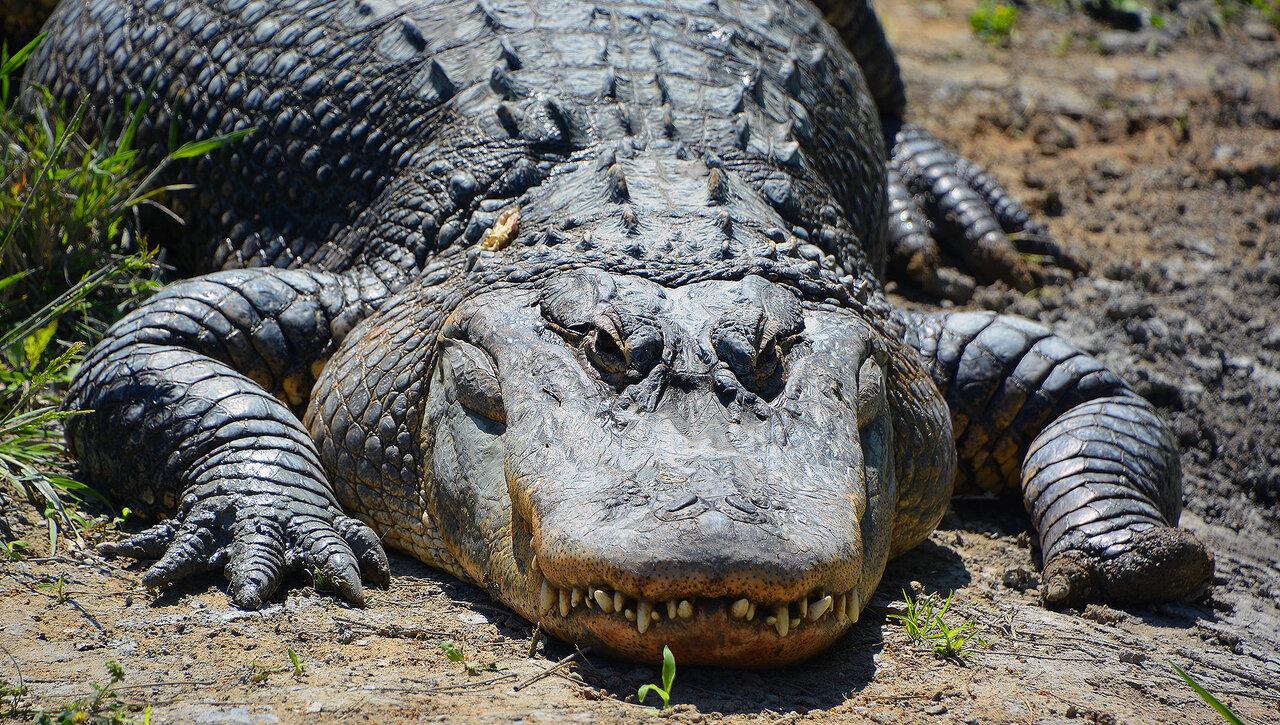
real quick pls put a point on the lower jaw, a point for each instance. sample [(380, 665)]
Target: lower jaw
[(709, 638)]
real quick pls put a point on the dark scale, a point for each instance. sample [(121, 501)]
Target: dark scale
[(581, 302)]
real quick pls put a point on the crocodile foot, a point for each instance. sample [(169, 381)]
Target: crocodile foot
[(1160, 564), (256, 541), (935, 194)]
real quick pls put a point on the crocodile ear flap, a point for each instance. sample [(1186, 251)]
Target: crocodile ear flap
[(472, 371), (474, 377), (572, 299)]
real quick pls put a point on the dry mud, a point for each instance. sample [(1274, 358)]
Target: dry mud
[(1156, 155)]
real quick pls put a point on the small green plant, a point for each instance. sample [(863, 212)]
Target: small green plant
[(14, 693), (260, 673), (12, 550), (455, 654), (55, 588), (993, 22), (1208, 697), (299, 667), (103, 708), (925, 622), (668, 679)]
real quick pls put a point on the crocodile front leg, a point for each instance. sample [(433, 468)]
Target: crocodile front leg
[(1099, 468), (187, 403)]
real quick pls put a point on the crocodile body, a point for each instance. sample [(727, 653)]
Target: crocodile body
[(581, 302)]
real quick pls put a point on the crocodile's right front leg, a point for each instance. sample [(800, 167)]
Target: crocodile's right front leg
[(180, 408)]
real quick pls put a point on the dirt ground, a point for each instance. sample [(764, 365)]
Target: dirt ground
[(1157, 154)]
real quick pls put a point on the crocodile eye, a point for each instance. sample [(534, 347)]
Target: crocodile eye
[(605, 351), (475, 380), (622, 356)]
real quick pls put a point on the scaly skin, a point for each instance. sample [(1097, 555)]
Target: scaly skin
[(581, 305)]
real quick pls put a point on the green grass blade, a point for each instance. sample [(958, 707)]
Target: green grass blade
[(200, 148), (1208, 697), (668, 669), (15, 61)]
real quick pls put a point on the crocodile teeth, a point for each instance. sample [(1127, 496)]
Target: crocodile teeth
[(575, 597), (603, 599), (751, 611), (685, 609), (842, 606), (630, 614), (855, 605), (819, 608), (618, 600), (782, 619), (547, 598), (564, 603), (644, 615), (739, 608), (804, 606), (671, 608)]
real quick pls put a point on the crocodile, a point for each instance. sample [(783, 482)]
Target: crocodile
[(581, 302)]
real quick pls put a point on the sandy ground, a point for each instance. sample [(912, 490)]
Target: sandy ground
[(1155, 153)]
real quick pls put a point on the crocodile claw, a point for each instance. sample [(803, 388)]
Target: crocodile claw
[(256, 545)]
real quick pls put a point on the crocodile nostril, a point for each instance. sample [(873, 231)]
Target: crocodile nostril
[(685, 507), (741, 504), (682, 504)]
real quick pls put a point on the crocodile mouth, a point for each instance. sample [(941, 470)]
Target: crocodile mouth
[(643, 614), (734, 631)]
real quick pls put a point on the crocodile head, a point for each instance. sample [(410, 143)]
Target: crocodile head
[(707, 466)]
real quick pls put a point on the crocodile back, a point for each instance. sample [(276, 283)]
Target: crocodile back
[(389, 131)]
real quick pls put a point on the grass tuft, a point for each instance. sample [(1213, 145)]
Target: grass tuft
[(993, 21), (926, 623)]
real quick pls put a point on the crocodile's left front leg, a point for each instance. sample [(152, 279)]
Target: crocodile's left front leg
[(1099, 467)]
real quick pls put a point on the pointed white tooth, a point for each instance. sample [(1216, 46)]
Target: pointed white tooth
[(672, 605), (783, 621), (603, 599), (575, 597), (685, 609), (547, 598), (533, 562), (841, 605), (630, 614), (819, 608), (751, 611), (804, 606), (618, 600), (795, 623), (855, 605), (644, 615), (739, 608), (589, 600), (564, 602)]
